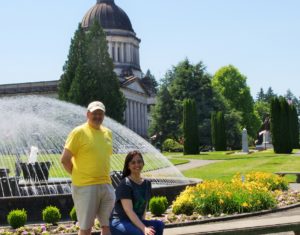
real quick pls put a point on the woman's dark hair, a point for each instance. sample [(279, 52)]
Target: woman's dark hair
[(129, 157)]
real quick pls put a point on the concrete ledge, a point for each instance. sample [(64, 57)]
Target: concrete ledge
[(232, 217)]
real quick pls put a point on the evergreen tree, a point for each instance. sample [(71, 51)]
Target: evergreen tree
[(275, 125), (260, 95), (150, 83), (294, 126), (221, 131), (184, 81), (70, 67), (286, 132), (281, 126), (103, 83), (218, 131), (190, 127), (214, 129), (164, 117), (270, 95), (89, 75)]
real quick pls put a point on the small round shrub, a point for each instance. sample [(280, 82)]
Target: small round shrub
[(51, 214), (17, 218), (158, 205), (170, 145), (73, 214)]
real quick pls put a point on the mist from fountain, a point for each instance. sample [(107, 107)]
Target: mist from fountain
[(33, 130)]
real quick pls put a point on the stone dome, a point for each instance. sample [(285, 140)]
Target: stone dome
[(109, 15)]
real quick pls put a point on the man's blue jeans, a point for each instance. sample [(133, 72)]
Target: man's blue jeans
[(126, 227)]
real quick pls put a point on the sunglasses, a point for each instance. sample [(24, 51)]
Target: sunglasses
[(136, 162)]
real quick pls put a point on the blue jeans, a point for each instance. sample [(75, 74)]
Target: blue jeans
[(126, 227)]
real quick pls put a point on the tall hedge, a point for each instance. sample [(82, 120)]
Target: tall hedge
[(282, 126), (190, 127), (218, 131), (294, 127)]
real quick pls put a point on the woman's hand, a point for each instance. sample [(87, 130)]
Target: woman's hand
[(149, 231)]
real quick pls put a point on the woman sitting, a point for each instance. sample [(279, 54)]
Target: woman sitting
[(132, 198)]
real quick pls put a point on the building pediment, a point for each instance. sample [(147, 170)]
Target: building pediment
[(134, 84)]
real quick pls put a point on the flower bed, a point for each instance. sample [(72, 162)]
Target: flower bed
[(212, 199)]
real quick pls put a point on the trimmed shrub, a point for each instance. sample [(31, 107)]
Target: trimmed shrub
[(158, 205), (73, 214), (17, 218), (51, 214), (170, 145), (190, 127)]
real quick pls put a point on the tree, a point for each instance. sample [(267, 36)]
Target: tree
[(262, 108), (150, 83), (270, 95), (276, 125), (184, 81), (218, 131), (260, 95), (292, 99), (190, 127), (232, 85), (89, 73), (281, 126), (165, 121), (70, 67), (295, 127)]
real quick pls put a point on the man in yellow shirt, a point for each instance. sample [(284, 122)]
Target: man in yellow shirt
[(86, 157)]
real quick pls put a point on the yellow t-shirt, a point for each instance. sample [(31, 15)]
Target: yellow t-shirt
[(91, 151)]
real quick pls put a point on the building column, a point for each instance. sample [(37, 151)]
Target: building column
[(127, 113), (139, 131), (143, 119), (131, 115), (116, 52), (122, 59), (146, 118)]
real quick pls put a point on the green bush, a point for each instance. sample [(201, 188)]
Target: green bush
[(73, 214), (158, 205), (17, 218), (51, 214), (170, 145)]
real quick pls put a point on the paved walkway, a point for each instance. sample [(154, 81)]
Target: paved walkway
[(194, 163)]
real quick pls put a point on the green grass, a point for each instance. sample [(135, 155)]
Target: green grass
[(265, 161), (178, 161)]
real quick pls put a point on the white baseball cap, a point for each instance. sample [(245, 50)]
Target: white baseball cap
[(95, 105)]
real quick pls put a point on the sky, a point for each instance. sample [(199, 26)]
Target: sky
[(261, 38)]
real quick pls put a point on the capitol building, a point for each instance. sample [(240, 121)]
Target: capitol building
[(123, 46)]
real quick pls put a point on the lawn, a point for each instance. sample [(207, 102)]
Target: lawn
[(232, 163)]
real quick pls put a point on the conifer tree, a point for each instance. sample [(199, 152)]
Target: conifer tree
[(275, 124), (89, 73), (190, 127), (70, 66), (218, 131), (221, 131)]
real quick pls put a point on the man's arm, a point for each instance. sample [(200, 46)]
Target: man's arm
[(66, 160)]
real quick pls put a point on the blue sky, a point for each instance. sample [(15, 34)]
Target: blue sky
[(259, 37)]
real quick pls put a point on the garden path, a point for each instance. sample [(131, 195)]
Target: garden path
[(194, 163)]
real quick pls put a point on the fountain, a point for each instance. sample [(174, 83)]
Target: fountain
[(33, 130)]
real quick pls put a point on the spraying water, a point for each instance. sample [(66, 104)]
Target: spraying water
[(33, 130)]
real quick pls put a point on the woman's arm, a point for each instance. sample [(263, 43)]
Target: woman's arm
[(128, 208)]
